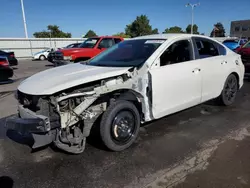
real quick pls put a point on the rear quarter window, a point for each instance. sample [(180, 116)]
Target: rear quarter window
[(222, 49)]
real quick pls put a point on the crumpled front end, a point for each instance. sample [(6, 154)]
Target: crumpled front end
[(67, 116), (62, 119), (34, 120)]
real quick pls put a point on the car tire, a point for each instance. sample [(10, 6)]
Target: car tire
[(120, 125), (42, 57), (230, 89)]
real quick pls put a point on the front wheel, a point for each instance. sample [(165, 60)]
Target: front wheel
[(228, 94), (120, 125), (42, 57)]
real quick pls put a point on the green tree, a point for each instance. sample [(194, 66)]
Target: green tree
[(139, 27), (122, 34), (90, 33), (174, 29), (195, 29), (53, 31), (155, 31), (218, 30)]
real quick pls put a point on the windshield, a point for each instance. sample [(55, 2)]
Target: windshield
[(128, 53), (43, 51), (89, 43)]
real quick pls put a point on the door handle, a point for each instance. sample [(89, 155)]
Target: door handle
[(196, 70), (224, 62)]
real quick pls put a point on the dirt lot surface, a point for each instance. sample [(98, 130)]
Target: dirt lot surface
[(205, 146)]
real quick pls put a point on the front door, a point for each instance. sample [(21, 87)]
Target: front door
[(176, 82)]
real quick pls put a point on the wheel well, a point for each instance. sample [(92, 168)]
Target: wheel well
[(130, 96), (127, 95), (237, 77), (81, 59)]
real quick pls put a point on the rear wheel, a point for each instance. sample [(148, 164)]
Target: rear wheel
[(42, 57), (120, 125), (228, 94)]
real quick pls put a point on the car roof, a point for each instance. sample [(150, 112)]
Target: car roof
[(170, 36), (106, 37)]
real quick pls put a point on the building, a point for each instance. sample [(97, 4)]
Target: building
[(240, 28)]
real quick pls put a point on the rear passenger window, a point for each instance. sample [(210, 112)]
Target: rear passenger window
[(117, 40), (206, 49)]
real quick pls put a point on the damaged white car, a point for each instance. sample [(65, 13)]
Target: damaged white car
[(133, 82)]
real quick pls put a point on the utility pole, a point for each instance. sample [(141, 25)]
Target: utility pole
[(25, 28), (192, 12), (24, 20)]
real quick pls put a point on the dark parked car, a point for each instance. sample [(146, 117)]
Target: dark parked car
[(10, 56), (6, 71), (52, 53)]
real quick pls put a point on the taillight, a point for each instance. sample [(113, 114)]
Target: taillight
[(12, 55), (4, 62)]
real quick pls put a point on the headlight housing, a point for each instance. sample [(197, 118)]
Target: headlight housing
[(67, 58)]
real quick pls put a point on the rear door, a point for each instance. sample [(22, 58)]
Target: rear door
[(214, 67)]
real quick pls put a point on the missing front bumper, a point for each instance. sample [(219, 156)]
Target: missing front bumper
[(31, 125)]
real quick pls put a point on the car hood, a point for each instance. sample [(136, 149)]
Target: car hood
[(70, 51), (64, 77)]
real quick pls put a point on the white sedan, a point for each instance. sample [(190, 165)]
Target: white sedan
[(131, 83), (42, 55)]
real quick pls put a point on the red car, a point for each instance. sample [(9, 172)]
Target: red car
[(88, 49), (244, 51)]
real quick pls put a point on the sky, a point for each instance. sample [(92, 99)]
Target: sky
[(107, 17)]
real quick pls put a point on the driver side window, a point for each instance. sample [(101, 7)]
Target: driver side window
[(178, 52), (106, 43)]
